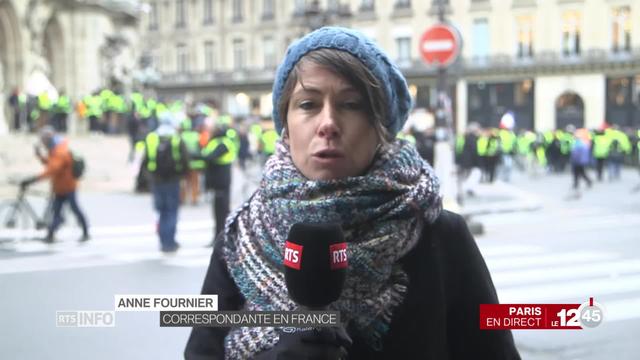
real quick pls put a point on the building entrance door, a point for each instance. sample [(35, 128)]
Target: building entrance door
[(569, 110)]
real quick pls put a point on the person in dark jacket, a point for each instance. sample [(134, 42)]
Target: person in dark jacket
[(415, 278), (580, 159), (219, 155), (166, 158)]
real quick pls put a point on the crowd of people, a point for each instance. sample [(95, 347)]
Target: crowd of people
[(486, 154), (339, 108)]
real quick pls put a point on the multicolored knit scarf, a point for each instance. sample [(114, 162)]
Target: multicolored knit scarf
[(382, 214)]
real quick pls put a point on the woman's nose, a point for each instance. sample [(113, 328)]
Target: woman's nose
[(328, 127)]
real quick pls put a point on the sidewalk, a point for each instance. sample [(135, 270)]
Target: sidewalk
[(105, 157), (499, 197), (109, 172)]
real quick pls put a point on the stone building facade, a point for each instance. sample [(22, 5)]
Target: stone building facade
[(79, 45), (550, 62)]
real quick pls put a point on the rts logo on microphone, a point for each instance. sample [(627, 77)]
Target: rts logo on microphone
[(338, 253), (292, 255)]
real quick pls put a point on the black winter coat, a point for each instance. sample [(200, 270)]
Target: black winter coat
[(439, 318)]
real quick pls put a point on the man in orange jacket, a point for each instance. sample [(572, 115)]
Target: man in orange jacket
[(58, 167)]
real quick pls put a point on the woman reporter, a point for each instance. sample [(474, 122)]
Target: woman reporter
[(415, 277)]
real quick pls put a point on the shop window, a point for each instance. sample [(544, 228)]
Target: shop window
[(619, 91)]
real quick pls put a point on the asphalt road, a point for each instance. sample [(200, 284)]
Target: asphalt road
[(565, 251)]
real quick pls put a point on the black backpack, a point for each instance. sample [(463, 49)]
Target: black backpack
[(77, 165), (165, 163)]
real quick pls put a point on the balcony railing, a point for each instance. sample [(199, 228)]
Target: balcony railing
[(218, 78), (541, 62)]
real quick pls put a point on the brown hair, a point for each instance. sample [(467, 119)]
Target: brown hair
[(356, 73)]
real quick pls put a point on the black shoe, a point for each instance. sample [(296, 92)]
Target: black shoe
[(48, 239), (170, 250), (84, 238)]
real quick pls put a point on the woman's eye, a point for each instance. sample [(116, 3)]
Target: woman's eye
[(353, 105), (306, 105)]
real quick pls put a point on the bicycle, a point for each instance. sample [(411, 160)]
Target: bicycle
[(20, 214)]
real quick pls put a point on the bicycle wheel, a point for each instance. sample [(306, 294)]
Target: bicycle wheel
[(15, 223)]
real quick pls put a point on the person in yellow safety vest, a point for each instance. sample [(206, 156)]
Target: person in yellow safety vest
[(268, 144), (507, 149), (489, 152), (600, 149), (61, 111), (166, 159), (116, 108), (459, 144), (565, 141), (191, 182), (524, 150), (619, 148), (94, 111), (219, 155), (232, 134), (44, 108)]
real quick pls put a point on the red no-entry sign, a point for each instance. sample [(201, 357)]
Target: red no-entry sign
[(440, 45)]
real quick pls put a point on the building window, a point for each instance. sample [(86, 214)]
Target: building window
[(182, 59), (237, 13), (621, 29), (299, 7), (525, 36), (269, 48), (571, 33), (238, 54), (209, 62), (207, 11), (403, 46), (367, 5), (267, 9), (153, 16), (403, 4), (333, 6), (180, 13), (481, 38)]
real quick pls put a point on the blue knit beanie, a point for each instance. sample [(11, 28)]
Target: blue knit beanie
[(355, 43)]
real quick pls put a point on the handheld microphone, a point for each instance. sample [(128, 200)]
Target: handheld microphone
[(315, 259)]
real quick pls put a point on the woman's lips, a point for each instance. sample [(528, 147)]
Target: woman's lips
[(328, 153), (327, 157)]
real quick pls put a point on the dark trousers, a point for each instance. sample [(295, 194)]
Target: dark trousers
[(58, 201), (492, 164), (599, 167), (166, 200), (221, 200), (59, 122), (16, 120), (579, 172)]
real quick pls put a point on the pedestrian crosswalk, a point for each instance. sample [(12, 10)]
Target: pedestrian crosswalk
[(536, 275), (521, 273), (109, 246)]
